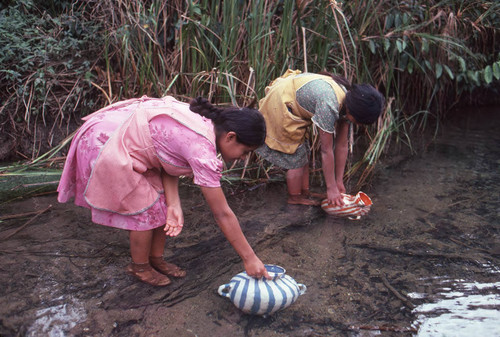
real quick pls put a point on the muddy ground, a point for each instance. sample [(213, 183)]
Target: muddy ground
[(434, 215)]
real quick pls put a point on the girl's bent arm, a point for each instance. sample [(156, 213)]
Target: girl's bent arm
[(175, 217), (230, 226)]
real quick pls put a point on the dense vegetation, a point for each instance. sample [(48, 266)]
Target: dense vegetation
[(61, 59)]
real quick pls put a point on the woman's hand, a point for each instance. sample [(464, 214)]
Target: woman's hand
[(335, 197), (175, 220), (255, 268), (340, 186)]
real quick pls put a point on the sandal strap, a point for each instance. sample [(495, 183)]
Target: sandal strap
[(140, 267), (146, 273), (166, 268)]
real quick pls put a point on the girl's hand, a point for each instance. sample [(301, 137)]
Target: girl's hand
[(175, 221), (172, 229), (175, 217), (255, 268)]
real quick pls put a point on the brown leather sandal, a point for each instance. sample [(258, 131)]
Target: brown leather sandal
[(166, 268), (145, 273)]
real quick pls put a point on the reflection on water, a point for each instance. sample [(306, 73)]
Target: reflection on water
[(55, 321), (465, 307), (459, 309)]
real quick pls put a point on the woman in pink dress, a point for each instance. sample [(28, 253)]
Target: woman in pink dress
[(125, 161)]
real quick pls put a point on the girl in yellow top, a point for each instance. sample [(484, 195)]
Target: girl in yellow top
[(297, 100)]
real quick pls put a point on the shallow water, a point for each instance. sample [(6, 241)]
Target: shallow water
[(459, 308), (55, 320), (469, 153)]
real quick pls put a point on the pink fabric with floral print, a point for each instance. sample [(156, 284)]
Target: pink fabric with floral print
[(185, 153), (180, 150)]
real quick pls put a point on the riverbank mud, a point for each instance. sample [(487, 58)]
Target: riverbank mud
[(434, 216)]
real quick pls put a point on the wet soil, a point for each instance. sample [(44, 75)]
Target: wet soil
[(434, 215)]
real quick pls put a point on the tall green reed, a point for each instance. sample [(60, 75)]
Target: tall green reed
[(421, 55)]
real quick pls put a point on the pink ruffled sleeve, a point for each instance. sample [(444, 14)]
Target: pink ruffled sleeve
[(181, 149), (207, 172)]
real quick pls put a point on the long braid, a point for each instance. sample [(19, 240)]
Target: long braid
[(203, 107), (247, 123)]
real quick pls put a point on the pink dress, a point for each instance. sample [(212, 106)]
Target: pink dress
[(180, 150)]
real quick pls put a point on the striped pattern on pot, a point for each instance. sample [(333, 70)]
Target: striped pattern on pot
[(354, 206), (262, 296)]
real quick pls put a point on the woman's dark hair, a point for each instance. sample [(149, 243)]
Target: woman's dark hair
[(248, 124), (364, 102)]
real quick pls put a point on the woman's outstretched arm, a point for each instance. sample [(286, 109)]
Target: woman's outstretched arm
[(230, 226)]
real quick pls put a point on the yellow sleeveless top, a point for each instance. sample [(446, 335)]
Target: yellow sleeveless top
[(286, 120)]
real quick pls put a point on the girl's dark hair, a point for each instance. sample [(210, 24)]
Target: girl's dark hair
[(364, 102), (248, 124)]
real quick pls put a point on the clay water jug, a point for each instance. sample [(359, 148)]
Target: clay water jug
[(354, 206), (262, 296)]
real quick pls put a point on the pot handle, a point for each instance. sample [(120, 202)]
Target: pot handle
[(225, 290), (302, 288)]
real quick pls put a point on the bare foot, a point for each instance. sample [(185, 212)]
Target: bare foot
[(307, 193), (301, 200), (318, 195)]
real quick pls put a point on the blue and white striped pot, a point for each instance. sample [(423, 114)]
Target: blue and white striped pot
[(262, 296)]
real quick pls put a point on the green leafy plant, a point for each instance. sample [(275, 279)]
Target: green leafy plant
[(46, 65)]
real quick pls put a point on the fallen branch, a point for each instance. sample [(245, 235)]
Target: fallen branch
[(41, 184), (417, 253), (396, 293), (27, 223), (469, 246), (20, 215), (383, 328)]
